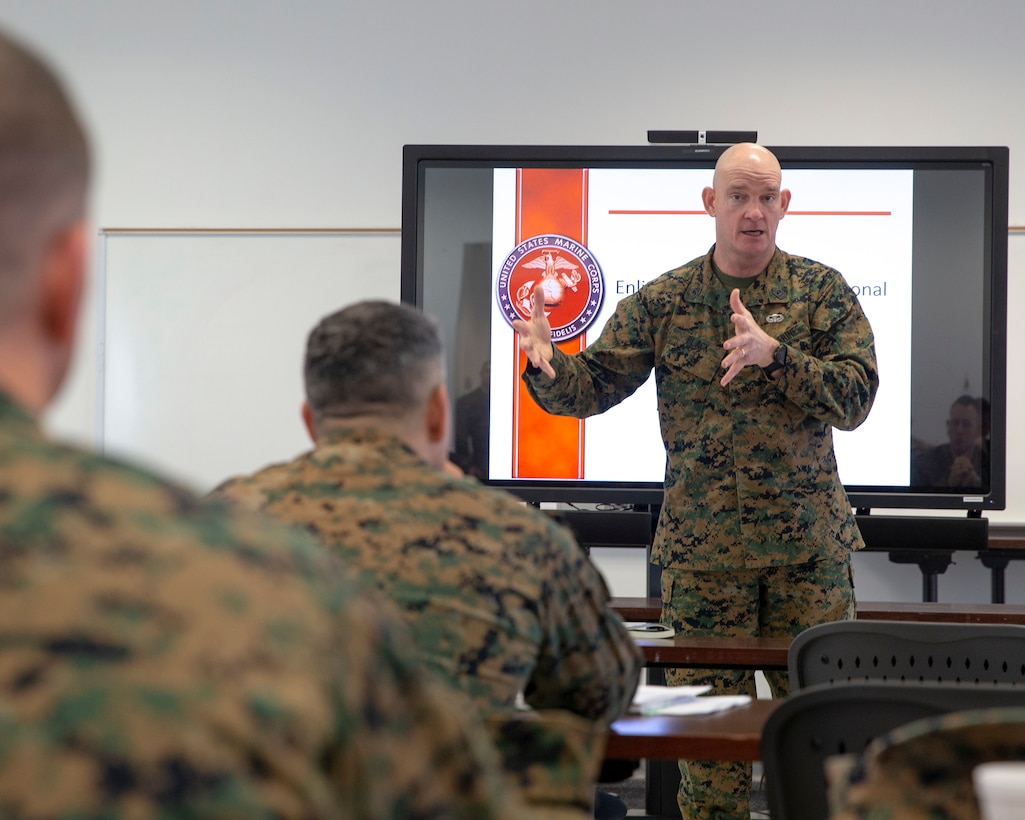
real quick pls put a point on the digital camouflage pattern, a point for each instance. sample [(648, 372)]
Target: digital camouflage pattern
[(501, 600), (160, 658), (751, 478), (923, 770), (769, 601), (552, 757)]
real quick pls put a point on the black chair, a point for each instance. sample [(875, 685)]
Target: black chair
[(831, 719), (845, 651), (967, 657)]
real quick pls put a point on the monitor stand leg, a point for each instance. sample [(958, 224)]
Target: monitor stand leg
[(932, 563), (996, 564)]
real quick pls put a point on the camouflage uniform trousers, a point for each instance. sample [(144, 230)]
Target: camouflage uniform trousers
[(766, 601)]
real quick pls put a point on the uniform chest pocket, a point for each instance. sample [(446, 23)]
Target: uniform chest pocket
[(687, 357)]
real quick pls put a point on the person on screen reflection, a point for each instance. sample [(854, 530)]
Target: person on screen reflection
[(472, 434), (961, 461), (161, 657), (501, 600), (755, 533)]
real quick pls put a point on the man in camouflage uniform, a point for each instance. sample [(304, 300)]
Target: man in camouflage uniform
[(501, 600), (755, 532), (157, 656), (923, 770)]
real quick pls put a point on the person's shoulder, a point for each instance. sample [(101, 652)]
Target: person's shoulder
[(109, 500), (657, 297), (547, 540), (69, 476), (255, 490), (806, 267), (675, 278), (499, 509), (818, 281)]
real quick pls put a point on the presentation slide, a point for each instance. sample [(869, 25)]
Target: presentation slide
[(594, 236)]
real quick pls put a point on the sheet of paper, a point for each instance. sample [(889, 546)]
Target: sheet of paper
[(650, 699), (705, 705)]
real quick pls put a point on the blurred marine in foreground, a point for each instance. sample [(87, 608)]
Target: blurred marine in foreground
[(159, 657)]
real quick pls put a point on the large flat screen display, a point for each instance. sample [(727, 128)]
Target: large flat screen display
[(920, 235)]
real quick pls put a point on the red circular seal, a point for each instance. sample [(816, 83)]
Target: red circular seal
[(572, 279)]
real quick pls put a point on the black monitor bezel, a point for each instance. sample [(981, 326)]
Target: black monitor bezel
[(995, 158)]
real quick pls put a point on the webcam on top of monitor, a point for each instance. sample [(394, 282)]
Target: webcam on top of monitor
[(702, 137)]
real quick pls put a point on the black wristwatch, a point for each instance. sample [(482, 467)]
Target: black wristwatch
[(779, 361)]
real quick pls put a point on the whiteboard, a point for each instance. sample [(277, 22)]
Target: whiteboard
[(202, 334)]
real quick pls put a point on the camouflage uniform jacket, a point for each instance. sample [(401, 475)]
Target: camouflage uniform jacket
[(500, 599), (160, 658), (751, 479)]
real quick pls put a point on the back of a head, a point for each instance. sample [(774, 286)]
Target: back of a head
[(372, 359), (44, 167)]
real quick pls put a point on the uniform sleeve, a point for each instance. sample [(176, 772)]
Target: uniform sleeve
[(588, 663), (407, 746), (834, 376), (607, 372)]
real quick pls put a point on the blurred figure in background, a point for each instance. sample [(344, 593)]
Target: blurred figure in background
[(473, 427), (961, 462)]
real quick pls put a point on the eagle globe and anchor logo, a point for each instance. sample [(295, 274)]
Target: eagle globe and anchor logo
[(571, 277)]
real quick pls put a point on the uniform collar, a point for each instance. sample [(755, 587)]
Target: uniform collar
[(772, 285), (368, 437)]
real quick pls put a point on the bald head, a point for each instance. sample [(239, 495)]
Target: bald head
[(747, 202), (749, 157), (44, 170)]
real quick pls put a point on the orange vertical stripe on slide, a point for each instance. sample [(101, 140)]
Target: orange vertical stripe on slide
[(549, 200)]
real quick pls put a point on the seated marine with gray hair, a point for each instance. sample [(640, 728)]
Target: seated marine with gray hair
[(501, 600)]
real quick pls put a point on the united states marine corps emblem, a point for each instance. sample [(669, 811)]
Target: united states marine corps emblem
[(572, 279)]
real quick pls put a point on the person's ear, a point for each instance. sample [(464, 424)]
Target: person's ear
[(784, 201), (307, 415), (708, 200), (437, 415), (62, 283)]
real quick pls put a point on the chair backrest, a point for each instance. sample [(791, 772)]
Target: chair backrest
[(845, 651), (830, 719)]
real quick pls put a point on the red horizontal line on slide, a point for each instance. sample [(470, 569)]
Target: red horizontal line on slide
[(789, 213)]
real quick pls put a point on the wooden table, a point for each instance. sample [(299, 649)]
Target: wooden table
[(715, 652), (937, 611), (733, 734), (649, 609)]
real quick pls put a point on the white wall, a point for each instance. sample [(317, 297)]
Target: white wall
[(210, 113)]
